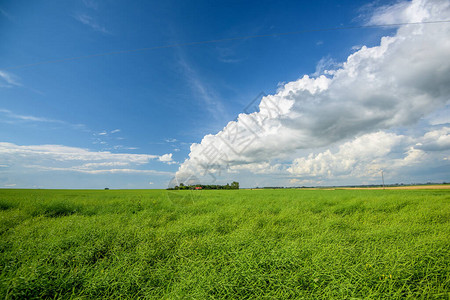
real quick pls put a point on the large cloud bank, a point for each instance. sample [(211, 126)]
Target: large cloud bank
[(369, 154), (381, 88)]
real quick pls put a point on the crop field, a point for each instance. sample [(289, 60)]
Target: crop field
[(298, 244)]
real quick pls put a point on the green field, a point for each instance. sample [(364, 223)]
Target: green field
[(311, 244)]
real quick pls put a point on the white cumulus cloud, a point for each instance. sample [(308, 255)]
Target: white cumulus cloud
[(366, 156), (167, 158), (392, 85), (357, 157)]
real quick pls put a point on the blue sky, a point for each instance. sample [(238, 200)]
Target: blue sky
[(139, 118)]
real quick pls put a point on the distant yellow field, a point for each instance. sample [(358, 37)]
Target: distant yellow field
[(409, 187), (406, 187)]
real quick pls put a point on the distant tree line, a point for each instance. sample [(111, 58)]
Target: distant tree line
[(233, 186)]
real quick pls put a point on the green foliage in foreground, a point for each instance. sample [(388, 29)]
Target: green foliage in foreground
[(225, 244)]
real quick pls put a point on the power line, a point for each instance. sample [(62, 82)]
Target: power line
[(221, 40)]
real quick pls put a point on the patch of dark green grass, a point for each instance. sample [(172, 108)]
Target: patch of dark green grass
[(5, 205), (57, 208)]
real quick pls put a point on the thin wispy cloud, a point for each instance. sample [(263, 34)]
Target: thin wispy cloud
[(5, 14), (324, 65), (91, 4), (8, 80), (92, 23), (201, 90), (64, 158), (8, 116), (121, 147), (100, 171), (106, 133)]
